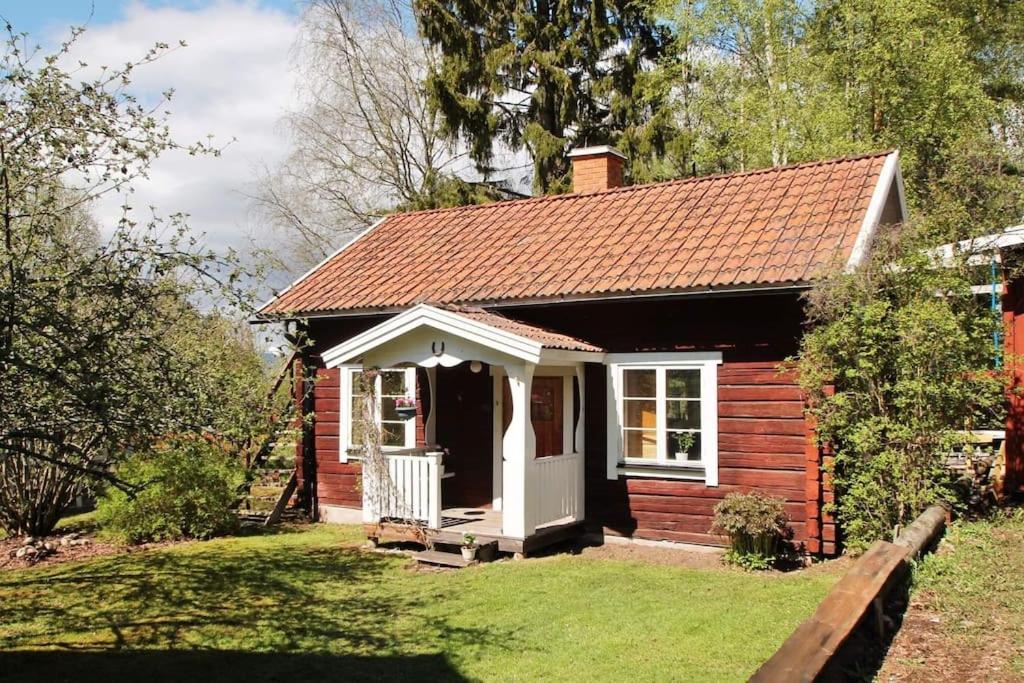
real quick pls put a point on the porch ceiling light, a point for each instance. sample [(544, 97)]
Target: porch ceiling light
[(476, 366)]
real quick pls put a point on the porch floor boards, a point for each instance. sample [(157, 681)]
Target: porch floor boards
[(485, 524)]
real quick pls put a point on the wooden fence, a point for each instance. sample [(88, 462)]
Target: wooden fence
[(806, 653)]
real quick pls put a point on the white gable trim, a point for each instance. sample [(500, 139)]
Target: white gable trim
[(865, 236), (441, 320)]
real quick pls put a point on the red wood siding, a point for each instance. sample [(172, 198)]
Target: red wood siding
[(762, 445), (765, 443), (333, 482), (337, 482), (1013, 324)]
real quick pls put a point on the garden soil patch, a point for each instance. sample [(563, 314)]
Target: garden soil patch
[(710, 558), (924, 651), (65, 553)]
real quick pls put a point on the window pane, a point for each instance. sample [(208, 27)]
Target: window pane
[(387, 409), (639, 383), (357, 409), (392, 434), (683, 414), (682, 383), (542, 399), (641, 443), (683, 446), (356, 433), (357, 382), (639, 414), (392, 383)]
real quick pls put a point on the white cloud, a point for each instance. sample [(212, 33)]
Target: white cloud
[(233, 80)]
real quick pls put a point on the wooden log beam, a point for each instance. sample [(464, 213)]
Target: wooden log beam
[(806, 653), (920, 535)]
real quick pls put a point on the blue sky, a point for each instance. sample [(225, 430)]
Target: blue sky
[(44, 17), (234, 81)]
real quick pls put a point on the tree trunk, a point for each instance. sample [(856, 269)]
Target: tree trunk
[(33, 495)]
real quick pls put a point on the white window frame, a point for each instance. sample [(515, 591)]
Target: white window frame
[(349, 450), (707, 363)]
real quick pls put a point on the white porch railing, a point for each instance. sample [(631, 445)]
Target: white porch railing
[(414, 494), (559, 488)]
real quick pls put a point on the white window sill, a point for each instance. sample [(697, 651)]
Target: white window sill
[(662, 471)]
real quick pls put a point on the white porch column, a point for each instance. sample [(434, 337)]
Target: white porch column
[(568, 435), (518, 449)]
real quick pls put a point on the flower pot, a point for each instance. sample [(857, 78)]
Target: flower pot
[(406, 413), (469, 554)]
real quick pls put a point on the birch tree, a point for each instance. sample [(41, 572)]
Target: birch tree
[(364, 139)]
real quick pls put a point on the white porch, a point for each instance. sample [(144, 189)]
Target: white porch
[(535, 492)]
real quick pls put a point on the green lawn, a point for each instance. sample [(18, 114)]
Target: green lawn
[(305, 605)]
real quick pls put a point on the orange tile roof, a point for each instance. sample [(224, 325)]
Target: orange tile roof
[(546, 338), (775, 226)]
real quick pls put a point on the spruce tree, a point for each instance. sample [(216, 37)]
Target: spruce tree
[(551, 75)]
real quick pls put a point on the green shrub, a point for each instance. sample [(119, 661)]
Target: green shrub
[(188, 492), (755, 524), (894, 373)]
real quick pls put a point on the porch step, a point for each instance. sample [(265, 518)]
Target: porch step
[(441, 558)]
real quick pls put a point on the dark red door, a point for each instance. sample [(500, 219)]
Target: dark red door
[(545, 413)]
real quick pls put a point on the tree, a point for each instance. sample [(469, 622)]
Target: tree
[(365, 139), (89, 370), (908, 349), (189, 483), (756, 100), (910, 74), (550, 76)]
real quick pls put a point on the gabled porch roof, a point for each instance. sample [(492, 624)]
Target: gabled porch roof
[(448, 335)]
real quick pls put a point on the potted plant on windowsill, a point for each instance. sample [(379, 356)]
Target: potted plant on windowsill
[(406, 408), (468, 547)]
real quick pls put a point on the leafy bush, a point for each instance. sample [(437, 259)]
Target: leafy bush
[(755, 524), (894, 374), (187, 492)]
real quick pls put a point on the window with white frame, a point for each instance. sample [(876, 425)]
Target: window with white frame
[(391, 384), (663, 411)]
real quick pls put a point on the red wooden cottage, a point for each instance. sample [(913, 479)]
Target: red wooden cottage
[(609, 357)]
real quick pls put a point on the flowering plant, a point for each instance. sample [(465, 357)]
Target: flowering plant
[(405, 402)]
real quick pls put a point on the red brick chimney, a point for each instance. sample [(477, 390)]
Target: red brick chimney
[(596, 168)]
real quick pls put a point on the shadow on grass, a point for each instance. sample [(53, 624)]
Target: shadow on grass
[(227, 613), (219, 665)]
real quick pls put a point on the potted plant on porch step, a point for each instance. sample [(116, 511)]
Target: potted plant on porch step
[(406, 408), (468, 547)]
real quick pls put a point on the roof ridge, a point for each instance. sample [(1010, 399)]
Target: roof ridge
[(642, 186)]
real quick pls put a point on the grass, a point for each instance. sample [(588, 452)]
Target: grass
[(304, 604), (974, 583)]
